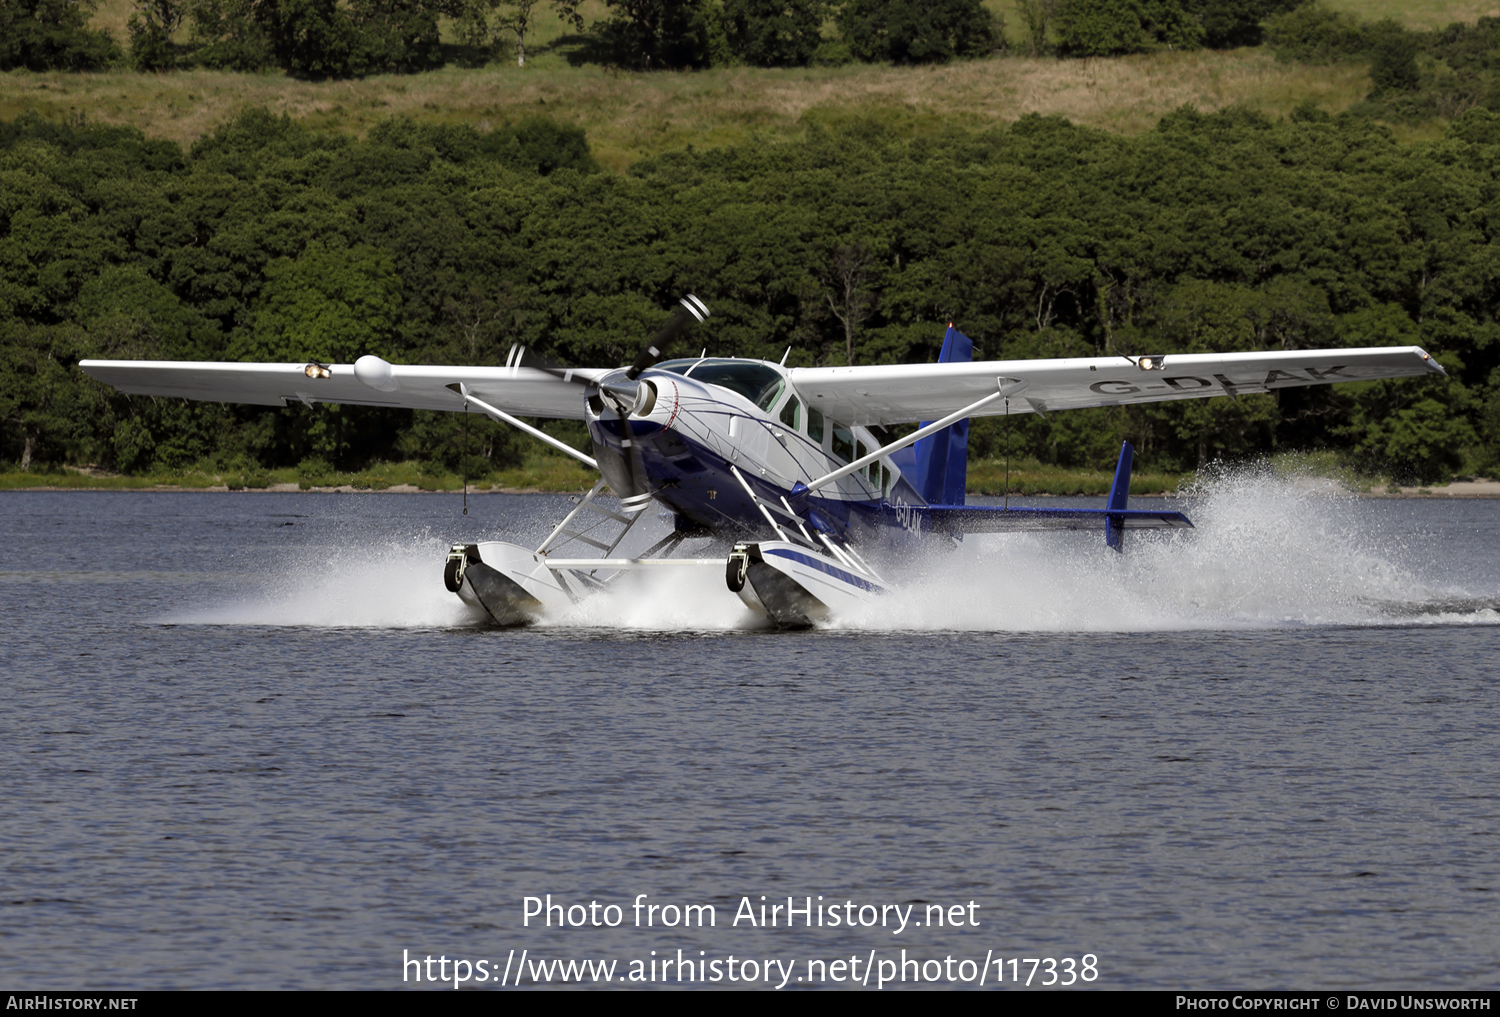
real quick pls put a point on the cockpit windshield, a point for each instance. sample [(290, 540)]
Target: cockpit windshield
[(756, 382)]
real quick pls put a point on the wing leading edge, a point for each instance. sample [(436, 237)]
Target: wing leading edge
[(527, 391), (904, 394), (891, 394)]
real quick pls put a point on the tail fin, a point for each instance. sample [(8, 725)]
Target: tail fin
[(942, 459), (1119, 495)]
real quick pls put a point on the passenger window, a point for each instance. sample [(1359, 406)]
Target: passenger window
[(843, 443), (815, 425), (791, 413), (859, 453)]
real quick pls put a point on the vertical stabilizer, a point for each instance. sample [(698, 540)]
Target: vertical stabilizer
[(942, 458), (1119, 496)]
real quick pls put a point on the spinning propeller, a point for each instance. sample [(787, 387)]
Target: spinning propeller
[(627, 395)]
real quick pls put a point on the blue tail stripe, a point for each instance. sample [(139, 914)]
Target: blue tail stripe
[(1119, 496), (942, 459)]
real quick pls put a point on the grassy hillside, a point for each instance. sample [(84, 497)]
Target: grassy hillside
[(1419, 13), (629, 116)]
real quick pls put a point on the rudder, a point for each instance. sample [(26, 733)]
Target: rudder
[(1119, 497), (942, 458)]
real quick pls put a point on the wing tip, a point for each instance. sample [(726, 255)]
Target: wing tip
[(1433, 367)]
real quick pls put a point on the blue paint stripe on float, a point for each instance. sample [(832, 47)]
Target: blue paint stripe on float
[(824, 567)]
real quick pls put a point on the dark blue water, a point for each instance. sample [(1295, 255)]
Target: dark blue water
[(249, 741)]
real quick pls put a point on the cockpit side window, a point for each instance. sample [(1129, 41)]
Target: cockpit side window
[(815, 425), (770, 395), (791, 413)]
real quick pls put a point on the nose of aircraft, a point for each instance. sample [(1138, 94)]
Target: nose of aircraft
[(622, 399), (616, 428)]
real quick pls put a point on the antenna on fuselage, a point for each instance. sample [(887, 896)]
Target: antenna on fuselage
[(785, 355)]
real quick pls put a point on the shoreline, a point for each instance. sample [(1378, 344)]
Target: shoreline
[(1457, 489)]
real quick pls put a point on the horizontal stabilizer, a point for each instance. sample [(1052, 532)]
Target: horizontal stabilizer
[(995, 519)]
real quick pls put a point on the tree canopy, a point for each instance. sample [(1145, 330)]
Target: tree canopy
[(434, 244)]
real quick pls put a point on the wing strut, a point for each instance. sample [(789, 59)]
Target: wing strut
[(780, 533), (1005, 387), (542, 436)]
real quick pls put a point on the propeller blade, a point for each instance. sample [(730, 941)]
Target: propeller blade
[(622, 469), (527, 356), (690, 311)]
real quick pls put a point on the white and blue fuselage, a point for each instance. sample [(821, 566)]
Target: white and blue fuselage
[(705, 420)]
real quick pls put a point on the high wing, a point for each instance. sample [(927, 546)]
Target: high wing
[(527, 391), (903, 394), (890, 394)]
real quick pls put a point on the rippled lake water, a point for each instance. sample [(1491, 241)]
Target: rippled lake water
[(249, 741)]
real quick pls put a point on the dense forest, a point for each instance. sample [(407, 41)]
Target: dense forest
[(430, 244)]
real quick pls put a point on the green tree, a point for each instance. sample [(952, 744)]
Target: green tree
[(1394, 68), (438, 244), (1315, 33), (539, 144), (151, 29), (322, 38), (1113, 27), (328, 304), (774, 33), (41, 420), (399, 36), (228, 35), (46, 35), (1488, 455), (661, 34), (1037, 17), (917, 31), (486, 24), (308, 38), (1229, 23), (1420, 443)]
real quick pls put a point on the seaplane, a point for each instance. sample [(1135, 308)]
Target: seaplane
[(795, 470)]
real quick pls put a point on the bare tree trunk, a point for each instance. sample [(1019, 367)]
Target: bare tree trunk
[(848, 331), (26, 454), (848, 275)]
